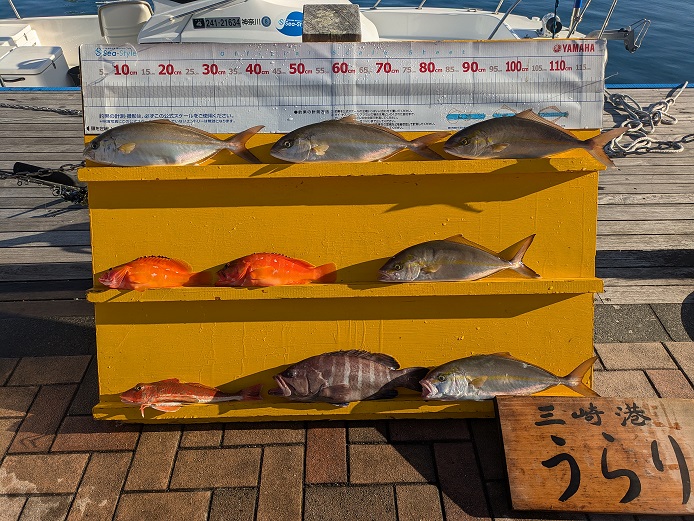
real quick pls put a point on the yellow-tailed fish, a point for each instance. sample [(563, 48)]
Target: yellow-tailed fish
[(347, 140), (455, 258), (482, 377), (524, 135), (163, 142)]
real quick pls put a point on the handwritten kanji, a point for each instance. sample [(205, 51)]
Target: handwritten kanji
[(592, 415)]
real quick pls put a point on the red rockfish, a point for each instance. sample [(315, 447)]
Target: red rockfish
[(272, 269), (170, 395), (153, 272)]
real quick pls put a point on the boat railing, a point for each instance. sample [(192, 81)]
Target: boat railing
[(16, 13)]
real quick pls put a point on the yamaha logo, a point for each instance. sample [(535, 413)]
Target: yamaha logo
[(557, 48)]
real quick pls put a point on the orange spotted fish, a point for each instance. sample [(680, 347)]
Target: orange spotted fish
[(170, 395), (273, 269), (153, 272)]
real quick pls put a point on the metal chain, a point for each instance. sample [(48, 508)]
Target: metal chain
[(65, 112), (642, 122), (72, 194)]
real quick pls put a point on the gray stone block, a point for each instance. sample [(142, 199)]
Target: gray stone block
[(331, 23)]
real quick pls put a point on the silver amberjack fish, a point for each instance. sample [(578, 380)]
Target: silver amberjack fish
[(341, 377), (455, 258), (524, 135), (163, 142), (482, 377), (347, 140)]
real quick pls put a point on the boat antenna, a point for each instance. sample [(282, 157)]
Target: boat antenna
[(576, 21), (503, 18), (16, 13), (554, 20)]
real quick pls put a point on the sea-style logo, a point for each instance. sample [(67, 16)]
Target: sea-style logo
[(292, 25)]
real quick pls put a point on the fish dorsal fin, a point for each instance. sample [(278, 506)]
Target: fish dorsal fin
[(352, 118), (379, 358), (462, 240), (505, 354), (202, 386), (163, 121), (169, 381), (180, 262), (300, 262), (531, 116)]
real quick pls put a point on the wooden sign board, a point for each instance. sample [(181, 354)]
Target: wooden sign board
[(610, 455)]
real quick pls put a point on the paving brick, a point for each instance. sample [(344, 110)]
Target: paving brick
[(670, 383), (88, 393), (202, 435), (154, 458), (367, 431), (376, 503), (237, 504), (8, 428), (215, 468), (15, 401), (49, 370), (428, 430), (627, 323), (460, 482), (326, 452), (26, 473), (281, 484), (11, 507), (684, 354), (391, 464), (490, 450), (41, 423), (678, 320), (418, 503), (102, 483), (623, 384), (188, 506), (650, 355), (46, 508), (502, 511), (263, 433), (84, 433), (7, 365)]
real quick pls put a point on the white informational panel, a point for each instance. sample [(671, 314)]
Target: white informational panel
[(226, 88)]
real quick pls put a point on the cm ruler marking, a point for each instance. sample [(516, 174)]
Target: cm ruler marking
[(227, 88)]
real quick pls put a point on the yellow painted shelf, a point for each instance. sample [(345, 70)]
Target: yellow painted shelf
[(357, 290), (580, 162), (356, 216)]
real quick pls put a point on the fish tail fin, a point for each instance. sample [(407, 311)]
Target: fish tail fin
[(410, 378), (326, 273), (237, 144), (514, 254), (575, 378), (421, 145), (252, 393), (203, 278), (595, 146)]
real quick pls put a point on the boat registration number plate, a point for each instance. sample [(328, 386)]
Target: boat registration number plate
[(216, 23)]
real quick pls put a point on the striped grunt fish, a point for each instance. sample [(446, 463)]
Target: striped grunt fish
[(341, 377)]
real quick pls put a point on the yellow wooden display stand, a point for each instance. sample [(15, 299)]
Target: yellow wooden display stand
[(357, 216)]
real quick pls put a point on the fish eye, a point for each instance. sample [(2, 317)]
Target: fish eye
[(465, 141), (287, 144), (94, 145), (138, 387), (397, 267), (290, 373), (442, 378)]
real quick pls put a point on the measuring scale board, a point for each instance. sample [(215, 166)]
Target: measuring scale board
[(412, 86)]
